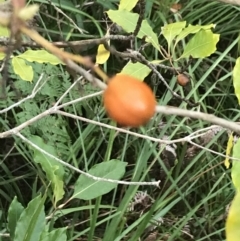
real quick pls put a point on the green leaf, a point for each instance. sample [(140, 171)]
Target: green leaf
[(53, 169), (55, 235), (40, 56), (233, 220), (4, 32), (191, 29), (202, 45), (2, 55), (171, 30), (236, 166), (31, 222), (128, 22), (137, 70), (236, 79), (127, 5), (14, 213), (22, 69), (87, 188)]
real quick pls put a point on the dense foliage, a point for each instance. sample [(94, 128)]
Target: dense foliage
[(195, 189)]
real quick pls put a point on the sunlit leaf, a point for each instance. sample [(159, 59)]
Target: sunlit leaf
[(236, 166), (2, 55), (233, 219), (53, 169), (22, 69), (4, 32), (228, 151), (40, 56), (236, 79), (191, 29), (128, 21), (102, 54), (137, 70), (202, 45), (127, 5), (86, 188), (170, 31), (28, 12)]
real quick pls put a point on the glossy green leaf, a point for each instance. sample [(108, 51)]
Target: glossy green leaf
[(22, 69), (137, 70), (236, 79), (40, 56), (191, 29), (170, 31), (53, 169), (127, 5), (128, 21), (55, 235), (87, 188), (233, 219), (14, 213), (202, 45), (31, 222)]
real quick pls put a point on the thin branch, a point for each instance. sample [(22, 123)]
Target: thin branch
[(170, 110), (31, 96), (79, 43), (66, 16), (140, 18), (82, 172)]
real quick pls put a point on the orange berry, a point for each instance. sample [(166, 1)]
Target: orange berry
[(129, 101)]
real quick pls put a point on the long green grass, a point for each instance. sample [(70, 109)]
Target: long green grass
[(194, 190)]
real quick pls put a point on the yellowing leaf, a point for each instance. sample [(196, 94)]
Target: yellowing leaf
[(40, 56), (202, 45), (22, 69), (137, 70), (127, 5), (102, 54), (28, 12), (228, 151), (236, 79)]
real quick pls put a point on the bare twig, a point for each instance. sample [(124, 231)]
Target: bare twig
[(31, 96), (82, 172), (140, 18), (66, 16), (170, 110)]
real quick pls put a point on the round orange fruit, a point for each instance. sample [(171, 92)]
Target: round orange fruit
[(129, 101)]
